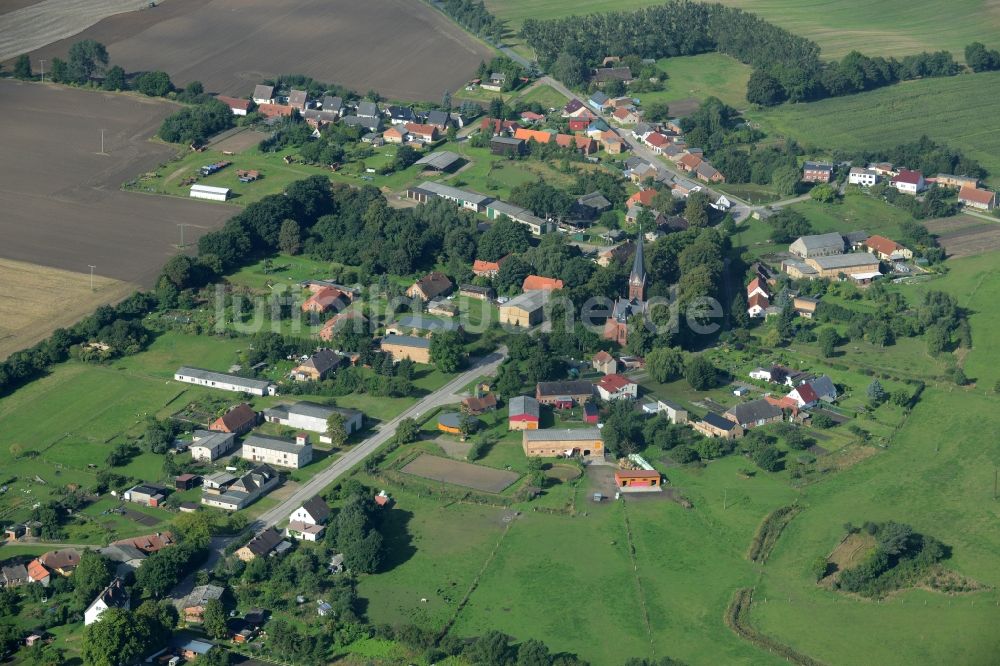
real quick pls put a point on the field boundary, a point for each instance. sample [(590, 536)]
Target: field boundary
[(737, 618), (768, 532), (638, 582)]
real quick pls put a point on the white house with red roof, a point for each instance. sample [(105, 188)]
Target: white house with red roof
[(974, 197), (617, 387), (804, 395), (909, 182), (887, 249), (758, 299)]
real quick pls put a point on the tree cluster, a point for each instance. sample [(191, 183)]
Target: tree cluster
[(901, 558)]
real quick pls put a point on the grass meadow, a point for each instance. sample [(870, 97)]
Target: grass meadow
[(891, 28), (702, 76), (956, 111)]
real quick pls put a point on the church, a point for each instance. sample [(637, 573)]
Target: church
[(616, 327)]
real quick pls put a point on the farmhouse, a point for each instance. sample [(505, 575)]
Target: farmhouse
[(209, 192), (239, 107), (525, 310), (805, 306), (37, 573), (584, 442), (820, 245), (395, 134), (263, 94), (708, 173), (193, 605), (305, 415), (617, 387), (422, 133), (298, 99), (318, 366), (604, 75), (224, 381), (430, 286), (861, 176), (958, 182), (824, 388), (307, 522), (505, 145), (208, 445), (564, 395), (522, 413), (804, 395), (399, 347), (475, 405), (325, 299), (973, 197), (758, 305), (62, 562), (604, 363), (14, 575), (488, 268), (278, 451), (714, 425), (259, 546), (817, 172), (909, 182), (540, 283), (333, 324), (225, 491), (477, 292), (754, 413), (675, 413), (887, 250), (239, 420), (114, 595)]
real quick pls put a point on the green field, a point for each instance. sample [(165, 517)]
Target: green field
[(956, 111), (701, 76), (894, 27), (547, 96)]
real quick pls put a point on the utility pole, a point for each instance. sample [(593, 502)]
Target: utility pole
[(43, 70), (92, 277), (182, 225), (102, 143)]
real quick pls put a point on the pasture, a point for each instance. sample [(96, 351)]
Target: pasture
[(892, 28), (38, 299), (956, 111), (230, 45), (60, 196), (701, 76)]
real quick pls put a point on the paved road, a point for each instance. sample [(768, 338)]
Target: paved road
[(443, 396)]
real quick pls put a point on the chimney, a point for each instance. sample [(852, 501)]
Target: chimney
[(302, 439)]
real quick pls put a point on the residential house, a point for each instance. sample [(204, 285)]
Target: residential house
[(307, 523), (598, 101), (626, 116), (861, 176), (400, 115), (525, 310), (305, 415), (824, 388), (148, 543), (62, 561), (883, 169), (564, 394), (399, 347), (522, 413), (395, 134), (722, 203), (689, 162), (909, 182), (708, 173), (430, 286), (325, 299), (319, 366), (368, 109), (584, 442), (208, 445), (754, 413), (495, 82), (225, 491), (757, 286), (439, 118), (957, 182), (349, 318), (604, 363), (476, 405), (603, 75), (973, 197), (886, 249), (225, 382), (477, 292), (14, 575), (193, 605), (805, 306), (643, 198), (538, 282), (273, 111), (676, 414), (239, 420), (239, 107), (263, 94), (714, 425), (617, 387), (333, 104), (531, 117), (657, 142), (298, 99), (114, 595), (149, 494), (497, 126), (490, 269), (424, 133), (817, 172), (758, 305), (819, 245), (259, 546), (804, 395), (278, 451), (37, 573)]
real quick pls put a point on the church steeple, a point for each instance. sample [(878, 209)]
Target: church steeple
[(637, 279)]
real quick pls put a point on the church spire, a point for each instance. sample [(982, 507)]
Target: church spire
[(637, 279)]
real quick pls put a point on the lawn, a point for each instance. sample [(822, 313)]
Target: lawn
[(547, 96), (957, 111), (702, 76), (894, 27), (853, 213)]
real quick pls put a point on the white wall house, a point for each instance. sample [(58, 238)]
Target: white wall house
[(862, 177), (209, 445), (114, 595), (313, 417), (224, 382), (307, 522), (278, 451)]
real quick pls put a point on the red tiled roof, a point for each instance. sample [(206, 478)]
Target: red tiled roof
[(691, 161), (758, 300), (612, 383), (274, 110), (807, 393), (234, 103), (976, 195), (531, 115), (481, 266), (909, 177), (532, 135), (636, 474), (149, 543), (537, 282), (643, 197), (36, 571), (603, 357), (423, 130), (656, 139), (754, 285), (882, 244)]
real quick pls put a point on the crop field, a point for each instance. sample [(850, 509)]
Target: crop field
[(458, 473), (965, 235), (61, 199), (956, 111), (37, 299), (30, 25), (404, 50), (895, 27)]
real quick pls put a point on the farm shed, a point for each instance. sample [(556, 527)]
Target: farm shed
[(209, 192)]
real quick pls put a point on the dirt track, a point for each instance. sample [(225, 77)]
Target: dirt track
[(60, 198), (402, 48)]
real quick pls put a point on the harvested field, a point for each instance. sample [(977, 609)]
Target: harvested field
[(61, 199), (457, 473), (37, 299), (970, 241), (402, 48), (237, 140), (943, 225), (35, 24), (142, 518), (9, 6)]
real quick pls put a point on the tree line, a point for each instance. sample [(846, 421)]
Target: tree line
[(787, 67)]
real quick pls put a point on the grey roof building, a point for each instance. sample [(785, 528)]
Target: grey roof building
[(755, 412), (368, 109), (335, 104), (818, 245), (226, 382)]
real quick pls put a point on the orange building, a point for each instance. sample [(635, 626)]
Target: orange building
[(637, 478)]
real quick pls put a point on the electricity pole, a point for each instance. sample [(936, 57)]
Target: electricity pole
[(182, 225), (92, 277), (102, 143), (43, 70)]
